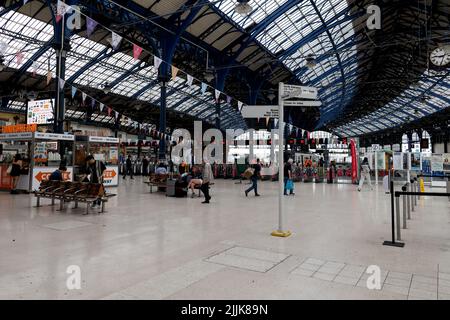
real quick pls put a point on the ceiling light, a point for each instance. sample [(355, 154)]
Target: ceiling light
[(243, 8), (311, 61), (106, 88), (209, 76), (271, 96)]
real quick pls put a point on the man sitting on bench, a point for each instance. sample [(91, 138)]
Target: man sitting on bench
[(94, 170), (58, 175)]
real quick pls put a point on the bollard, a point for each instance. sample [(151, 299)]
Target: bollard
[(408, 202), (416, 197), (411, 198), (404, 208), (397, 209)]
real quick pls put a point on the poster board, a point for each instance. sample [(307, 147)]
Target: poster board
[(446, 162), (405, 160), (398, 161), (437, 162), (416, 161), (381, 160), (40, 111)]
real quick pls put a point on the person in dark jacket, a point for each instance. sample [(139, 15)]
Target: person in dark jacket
[(128, 167), (94, 170), (16, 167), (254, 178), (58, 175)]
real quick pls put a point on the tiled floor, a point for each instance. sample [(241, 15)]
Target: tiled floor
[(148, 246)]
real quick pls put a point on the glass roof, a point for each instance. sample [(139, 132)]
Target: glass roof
[(431, 96), (129, 78), (323, 30)]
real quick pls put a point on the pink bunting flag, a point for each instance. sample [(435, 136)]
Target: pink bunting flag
[(19, 57), (136, 51), (109, 111)]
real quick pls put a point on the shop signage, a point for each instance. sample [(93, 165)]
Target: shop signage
[(110, 176), (260, 111), (16, 136), (290, 91), (54, 136), (18, 128), (43, 173), (104, 139)]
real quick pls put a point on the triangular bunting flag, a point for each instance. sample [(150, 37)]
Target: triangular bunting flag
[(83, 96), (116, 114), (3, 48), (109, 111), (61, 10), (204, 87), (35, 67), (90, 26), (228, 99), (174, 72), (275, 122), (92, 103), (101, 107), (267, 121), (19, 58), (240, 105), (190, 80), (115, 40), (217, 94), (74, 90), (49, 76), (136, 51), (25, 2), (62, 83), (156, 63)]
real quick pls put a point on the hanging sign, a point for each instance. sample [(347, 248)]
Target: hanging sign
[(260, 111), (304, 103), (291, 91)]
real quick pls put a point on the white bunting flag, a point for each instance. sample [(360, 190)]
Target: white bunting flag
[(62, 83), (275, 122), (115, 40), (190, 80), (156, 63), (83, 96), (101, 107), (35, 67), (3, 48), (116, 114), (49, 76), (61, 10), (217, 94), (240, 105)]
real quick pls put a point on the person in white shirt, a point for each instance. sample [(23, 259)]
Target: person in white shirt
[(365, 174)]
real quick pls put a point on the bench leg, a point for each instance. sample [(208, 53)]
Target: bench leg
[(76, 204), (53, 201), (103, 207), (87, 208), (151, 189), (38, 202), (61, 204)]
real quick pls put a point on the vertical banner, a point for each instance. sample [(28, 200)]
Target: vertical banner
[(354, 161)]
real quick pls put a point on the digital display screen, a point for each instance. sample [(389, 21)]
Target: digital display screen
[(40, 111)]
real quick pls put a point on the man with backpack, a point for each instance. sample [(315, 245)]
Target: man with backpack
[(254, 178)]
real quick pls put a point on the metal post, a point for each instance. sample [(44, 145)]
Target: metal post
[(393, 243), (408, 202), (397, 209), (280, 232), (411, 198), (162, 118), (404, 212)]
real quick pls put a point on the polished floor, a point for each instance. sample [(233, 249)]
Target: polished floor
[(148, 246)]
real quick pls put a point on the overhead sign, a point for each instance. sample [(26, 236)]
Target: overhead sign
[(16, 136), (304, 103), (260, 111), (104, 139), (18, 128), (291, 91), (54, 136)]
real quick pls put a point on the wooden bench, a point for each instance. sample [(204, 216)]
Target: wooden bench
[(73, 192), (159, 180)]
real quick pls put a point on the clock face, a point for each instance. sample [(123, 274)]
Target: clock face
[(440, 57)]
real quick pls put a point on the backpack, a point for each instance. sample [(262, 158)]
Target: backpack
[(248, 173)]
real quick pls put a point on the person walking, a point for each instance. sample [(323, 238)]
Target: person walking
[(365, 174), (128, 167), (288, 174), (207, 180), (254, 178), (145, 163)]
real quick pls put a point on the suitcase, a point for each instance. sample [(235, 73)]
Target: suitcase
[(171, 187)]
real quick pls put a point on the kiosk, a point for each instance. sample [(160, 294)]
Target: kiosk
[(105, 149), (42, 154)]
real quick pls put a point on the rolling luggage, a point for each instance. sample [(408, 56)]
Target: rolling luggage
[(171, 188)]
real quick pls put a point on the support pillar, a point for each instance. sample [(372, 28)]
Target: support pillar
[(163, 118)]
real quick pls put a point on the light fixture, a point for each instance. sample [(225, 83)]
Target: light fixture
[(303, 109), (271, 96), (209, 75), (31, 95), (311, 61), (106, 88), (2, 63), (243, 8)]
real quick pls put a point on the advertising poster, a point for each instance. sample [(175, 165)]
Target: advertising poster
[(416, 161), (426, 165), (405, 161), (111, 176), (381, 161), (437, 162), (398, 161), (43, 173), (40, 111), (446, 161)]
